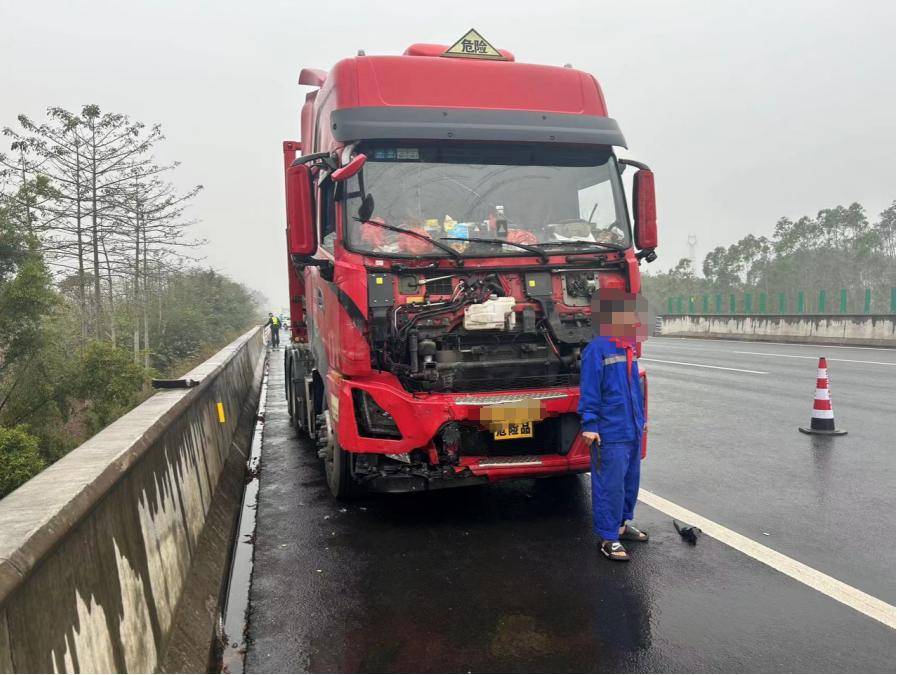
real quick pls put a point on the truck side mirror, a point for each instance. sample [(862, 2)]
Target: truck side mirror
[(353, 167), (301, 238), (644, 210)]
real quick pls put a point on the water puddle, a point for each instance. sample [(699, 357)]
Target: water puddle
[(233, 630)]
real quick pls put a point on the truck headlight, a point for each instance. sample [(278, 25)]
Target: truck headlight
[(372, 420)]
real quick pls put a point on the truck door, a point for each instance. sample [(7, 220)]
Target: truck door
[(318, 293), (340, 296)]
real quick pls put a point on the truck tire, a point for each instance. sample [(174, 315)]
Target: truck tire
[(288, 380), (294, 385), (337, 469), (300, 411)]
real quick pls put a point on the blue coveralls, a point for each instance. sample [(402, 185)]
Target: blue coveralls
[(611, 403)]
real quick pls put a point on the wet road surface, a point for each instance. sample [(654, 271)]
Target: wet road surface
[(508, 578), (725, 444)]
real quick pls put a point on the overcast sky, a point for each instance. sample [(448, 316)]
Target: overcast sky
[(747, 111)]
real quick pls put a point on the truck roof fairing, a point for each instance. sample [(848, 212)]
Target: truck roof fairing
[(469, 124), (436, 82)]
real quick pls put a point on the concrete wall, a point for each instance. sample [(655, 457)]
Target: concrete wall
[(847, 329), (97, 550)]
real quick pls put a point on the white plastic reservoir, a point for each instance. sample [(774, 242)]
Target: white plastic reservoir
[(494, 314)]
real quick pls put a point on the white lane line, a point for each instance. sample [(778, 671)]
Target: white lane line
[(705, 365), (765, 342), (816, 358), (837, 590)]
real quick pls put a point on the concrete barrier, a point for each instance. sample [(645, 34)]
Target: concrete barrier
[(842, 329), (106, 557)]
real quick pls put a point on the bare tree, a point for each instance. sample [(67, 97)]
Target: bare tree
[(31, 192), (85, 156), (59, 148), (110, 224), (151, 221), (113, 145)]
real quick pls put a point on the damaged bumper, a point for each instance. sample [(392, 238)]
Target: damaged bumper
[(416, 458)]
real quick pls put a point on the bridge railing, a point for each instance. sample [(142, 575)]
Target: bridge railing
[(111, 559)]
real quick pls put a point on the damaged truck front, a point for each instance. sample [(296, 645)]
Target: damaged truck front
[(448, 222)]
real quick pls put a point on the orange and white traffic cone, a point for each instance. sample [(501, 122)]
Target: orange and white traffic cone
[(822, 419)]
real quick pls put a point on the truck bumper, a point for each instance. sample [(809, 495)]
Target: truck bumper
[(474, 471), (419, 419)]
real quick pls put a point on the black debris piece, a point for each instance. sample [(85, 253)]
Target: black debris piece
[(688, 532)]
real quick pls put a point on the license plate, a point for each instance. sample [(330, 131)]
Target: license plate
[(508, 430)]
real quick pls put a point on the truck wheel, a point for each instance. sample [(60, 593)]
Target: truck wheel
[(295, 393), (288, 383), (299, 408), (337, 469)]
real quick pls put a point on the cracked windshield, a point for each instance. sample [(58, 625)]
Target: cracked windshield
[(480, 199)]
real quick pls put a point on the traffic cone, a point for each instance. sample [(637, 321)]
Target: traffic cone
[(822, 419)]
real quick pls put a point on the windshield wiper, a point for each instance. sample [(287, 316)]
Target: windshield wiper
[(484, 240), (583, 242), (394, 228)]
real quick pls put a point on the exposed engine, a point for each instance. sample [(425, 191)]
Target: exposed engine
[(469, 331)]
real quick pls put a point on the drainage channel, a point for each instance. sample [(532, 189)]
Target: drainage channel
[(233, 628)]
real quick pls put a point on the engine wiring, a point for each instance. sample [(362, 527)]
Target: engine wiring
[(429, 347), (466, 292)]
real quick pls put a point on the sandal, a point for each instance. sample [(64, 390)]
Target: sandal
[(632, 533), (613, 550)]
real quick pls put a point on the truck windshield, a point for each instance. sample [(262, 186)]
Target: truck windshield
[(555, 198)]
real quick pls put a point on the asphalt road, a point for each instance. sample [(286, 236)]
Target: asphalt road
[(508, 578), (725, 444)]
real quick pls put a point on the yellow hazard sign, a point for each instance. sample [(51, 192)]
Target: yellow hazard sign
[(473, 46)]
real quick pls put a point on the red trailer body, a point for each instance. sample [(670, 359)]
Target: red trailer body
[(448, 220)]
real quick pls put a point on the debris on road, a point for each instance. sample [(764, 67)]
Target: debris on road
[(688, 532)]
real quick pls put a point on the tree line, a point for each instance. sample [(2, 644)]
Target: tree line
[(101, 287), (839, 248)]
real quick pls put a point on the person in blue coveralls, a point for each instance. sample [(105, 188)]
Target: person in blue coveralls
[(612, 410)]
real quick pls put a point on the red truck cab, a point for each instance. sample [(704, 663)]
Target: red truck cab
[(448, 220)]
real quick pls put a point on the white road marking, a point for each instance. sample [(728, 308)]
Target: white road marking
[(764, 342), (705, 365), (816, 358), (837, 590)]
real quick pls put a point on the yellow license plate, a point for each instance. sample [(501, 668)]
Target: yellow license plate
[(508, 430)]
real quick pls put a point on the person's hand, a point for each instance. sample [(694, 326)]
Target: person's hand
[(591, 437)]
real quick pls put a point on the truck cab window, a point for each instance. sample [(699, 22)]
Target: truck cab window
[(457, 193)]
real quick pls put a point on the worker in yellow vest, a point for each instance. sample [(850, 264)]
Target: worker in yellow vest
[(274, 322)]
